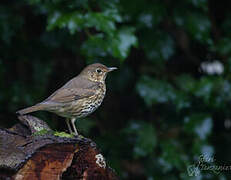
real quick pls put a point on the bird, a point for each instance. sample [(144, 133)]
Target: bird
[(78, 98)]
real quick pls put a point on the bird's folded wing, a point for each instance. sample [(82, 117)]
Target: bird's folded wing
[(70, 94)]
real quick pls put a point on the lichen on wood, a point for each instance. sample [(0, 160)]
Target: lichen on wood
[(27, 155)]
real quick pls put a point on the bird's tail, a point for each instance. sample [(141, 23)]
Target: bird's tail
[(36, 107)]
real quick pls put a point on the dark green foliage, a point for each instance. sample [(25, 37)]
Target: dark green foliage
[(164, 107)]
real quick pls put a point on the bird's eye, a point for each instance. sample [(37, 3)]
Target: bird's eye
[(98, 71)]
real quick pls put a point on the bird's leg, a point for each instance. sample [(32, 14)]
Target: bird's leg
[(73, 125), (68, 125)]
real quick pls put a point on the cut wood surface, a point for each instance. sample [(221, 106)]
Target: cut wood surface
[(27, 154)]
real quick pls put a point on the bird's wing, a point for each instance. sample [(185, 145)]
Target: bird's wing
[(70, 94)]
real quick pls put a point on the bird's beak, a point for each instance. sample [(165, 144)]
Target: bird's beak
[(112, 69)]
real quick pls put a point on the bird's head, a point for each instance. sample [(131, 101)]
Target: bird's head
[(97, 72)]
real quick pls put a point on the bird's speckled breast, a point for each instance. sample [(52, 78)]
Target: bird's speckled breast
[(82, 107), (94, 102), (90, 104)]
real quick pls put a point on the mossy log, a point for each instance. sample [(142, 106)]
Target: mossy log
[(28, 154)]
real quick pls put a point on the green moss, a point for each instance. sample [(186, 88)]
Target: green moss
[(55, 133), (81, 136), (41, 132), (63, 134)]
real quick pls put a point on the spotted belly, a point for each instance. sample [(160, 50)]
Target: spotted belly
[(82, 107), (89, 108)]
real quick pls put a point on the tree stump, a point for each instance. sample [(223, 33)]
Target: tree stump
[(31, 151)]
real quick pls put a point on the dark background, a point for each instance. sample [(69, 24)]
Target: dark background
[(166, 105)]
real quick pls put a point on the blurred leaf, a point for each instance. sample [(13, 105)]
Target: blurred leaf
[(198, 124), (76, 20), (200, 4), (144, 136), (172, 154), (199, 27), (123, 42), (204, 88), (95, 46), (155, 91), (186, 83), (115, 42), (224, 46), (100, 45), (162, 48)]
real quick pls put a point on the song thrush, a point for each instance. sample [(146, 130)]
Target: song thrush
[(78, 98)]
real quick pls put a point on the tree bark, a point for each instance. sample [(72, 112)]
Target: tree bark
[(28, 154)]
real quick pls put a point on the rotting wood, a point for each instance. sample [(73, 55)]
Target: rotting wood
[(25, 156)]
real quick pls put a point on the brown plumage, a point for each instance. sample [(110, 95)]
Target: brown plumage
[(78, 97)]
